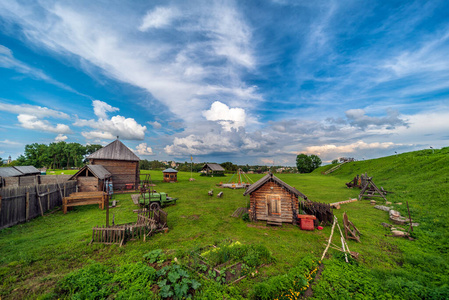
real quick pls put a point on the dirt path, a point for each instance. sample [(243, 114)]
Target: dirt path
[(309, 293)]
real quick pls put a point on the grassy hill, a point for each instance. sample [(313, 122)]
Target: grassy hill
[(41, 258)]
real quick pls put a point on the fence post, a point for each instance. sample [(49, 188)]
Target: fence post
[(64, 190), (48, 198), (0, 206), (27, 206)]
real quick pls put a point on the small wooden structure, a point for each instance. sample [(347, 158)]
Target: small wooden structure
[(121, 162), (369, 189), (211, 169), (273, 200), (85, 198), (91, 178), (351, 232), (170, 175), (19, 176)]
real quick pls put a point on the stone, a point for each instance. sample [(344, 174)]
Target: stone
[(387, 203)]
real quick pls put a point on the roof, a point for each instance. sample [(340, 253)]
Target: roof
[(9, 172), (98, 170), (213, 167), (28, 170), (18, 171), (114, 151), (270, 177), (169, 170)]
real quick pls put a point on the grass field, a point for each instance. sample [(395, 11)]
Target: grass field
[(38, 257)]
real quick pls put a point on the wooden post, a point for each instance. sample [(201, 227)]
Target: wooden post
[(27, 205), (65, 195), (410, 218), (107, 210), (0, 206), (48, 198)]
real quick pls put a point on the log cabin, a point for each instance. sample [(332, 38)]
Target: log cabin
[(91, 178), (121, 162), (211, 169), (273, 200)]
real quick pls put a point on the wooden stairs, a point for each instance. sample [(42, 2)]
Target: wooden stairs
[(334, 168)]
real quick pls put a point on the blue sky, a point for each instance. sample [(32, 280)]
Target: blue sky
[(254, 82)]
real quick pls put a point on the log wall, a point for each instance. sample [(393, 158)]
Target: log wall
[(89, 184), (123, 172), (258, 199), (21, 203)]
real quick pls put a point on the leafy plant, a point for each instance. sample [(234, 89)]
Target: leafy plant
[(155, 256), (175, 282)]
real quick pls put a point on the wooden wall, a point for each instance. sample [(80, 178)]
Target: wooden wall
[(170, 177), (122, 171), (89, 184), (258, 200), (34, 179)]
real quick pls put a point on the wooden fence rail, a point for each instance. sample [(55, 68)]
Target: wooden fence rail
[(22, 203)]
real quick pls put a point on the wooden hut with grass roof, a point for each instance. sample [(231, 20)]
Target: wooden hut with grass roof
[(121, 162), (273, 200)]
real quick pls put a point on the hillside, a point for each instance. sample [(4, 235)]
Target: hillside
[(49, 257)]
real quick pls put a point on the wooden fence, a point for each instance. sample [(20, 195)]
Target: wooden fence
[(22, 203)]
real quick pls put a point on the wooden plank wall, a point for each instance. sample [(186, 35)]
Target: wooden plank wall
[(259, 199), (21, 203), (33, 179), (123, 172), (88, 184)]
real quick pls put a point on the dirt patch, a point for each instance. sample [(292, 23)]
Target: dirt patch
[(309, 293)]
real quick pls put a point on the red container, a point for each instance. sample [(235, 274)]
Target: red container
[(306, 224), (129, 186)]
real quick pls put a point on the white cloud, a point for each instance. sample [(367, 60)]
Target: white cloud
[(61, 138), (8, 142), (358, 118), (155, 124), (32, 122), (143, 149), (101, 108), (227, 117), (158, 18), (33, 110), (349, 148), (98, 135)]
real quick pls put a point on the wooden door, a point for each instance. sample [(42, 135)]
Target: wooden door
[(274, 206)]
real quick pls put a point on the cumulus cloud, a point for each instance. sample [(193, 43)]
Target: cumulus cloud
[(143, 149), (61, 138), (158, 17), (228, 117), (8, 142), (101, 108), (104, 128), (32, 122), (349, 148)]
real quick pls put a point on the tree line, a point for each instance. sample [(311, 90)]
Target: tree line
[(55, 155)]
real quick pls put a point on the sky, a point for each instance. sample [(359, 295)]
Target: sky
[(252, 82)]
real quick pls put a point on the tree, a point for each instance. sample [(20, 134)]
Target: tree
[(304, 163), (1, 161), (316, 161), (335, 161)]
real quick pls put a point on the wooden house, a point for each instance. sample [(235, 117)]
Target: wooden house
[(19, 176), (170, 175), (273, 200), (213, 169), (91, 178), (121, 162)]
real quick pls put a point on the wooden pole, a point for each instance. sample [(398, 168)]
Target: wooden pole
[(330, 238), (107, 210), (39, 199), (48, 198), (27, 205)]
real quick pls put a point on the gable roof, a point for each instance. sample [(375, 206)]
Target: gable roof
[(169, 170), (114, 151), (18, 171), (98, 170), (213, 167), (270, 177)]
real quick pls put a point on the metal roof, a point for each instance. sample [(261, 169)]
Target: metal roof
[(114, 151), (270, 177), (9, 172), (213, 167), (27, 170), (169, 170), (98, 170)]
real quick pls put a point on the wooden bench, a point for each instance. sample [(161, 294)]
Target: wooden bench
[(84, 198)]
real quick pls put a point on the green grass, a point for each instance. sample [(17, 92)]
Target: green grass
[(35, 256)]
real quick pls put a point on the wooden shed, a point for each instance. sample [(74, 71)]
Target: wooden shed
[(170, 175), (121, 162), (273, 200), (91, 178), (213, 169), (19, 176)]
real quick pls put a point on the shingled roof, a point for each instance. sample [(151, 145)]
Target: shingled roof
[(18, 171), (270, 177), (114, 151)]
